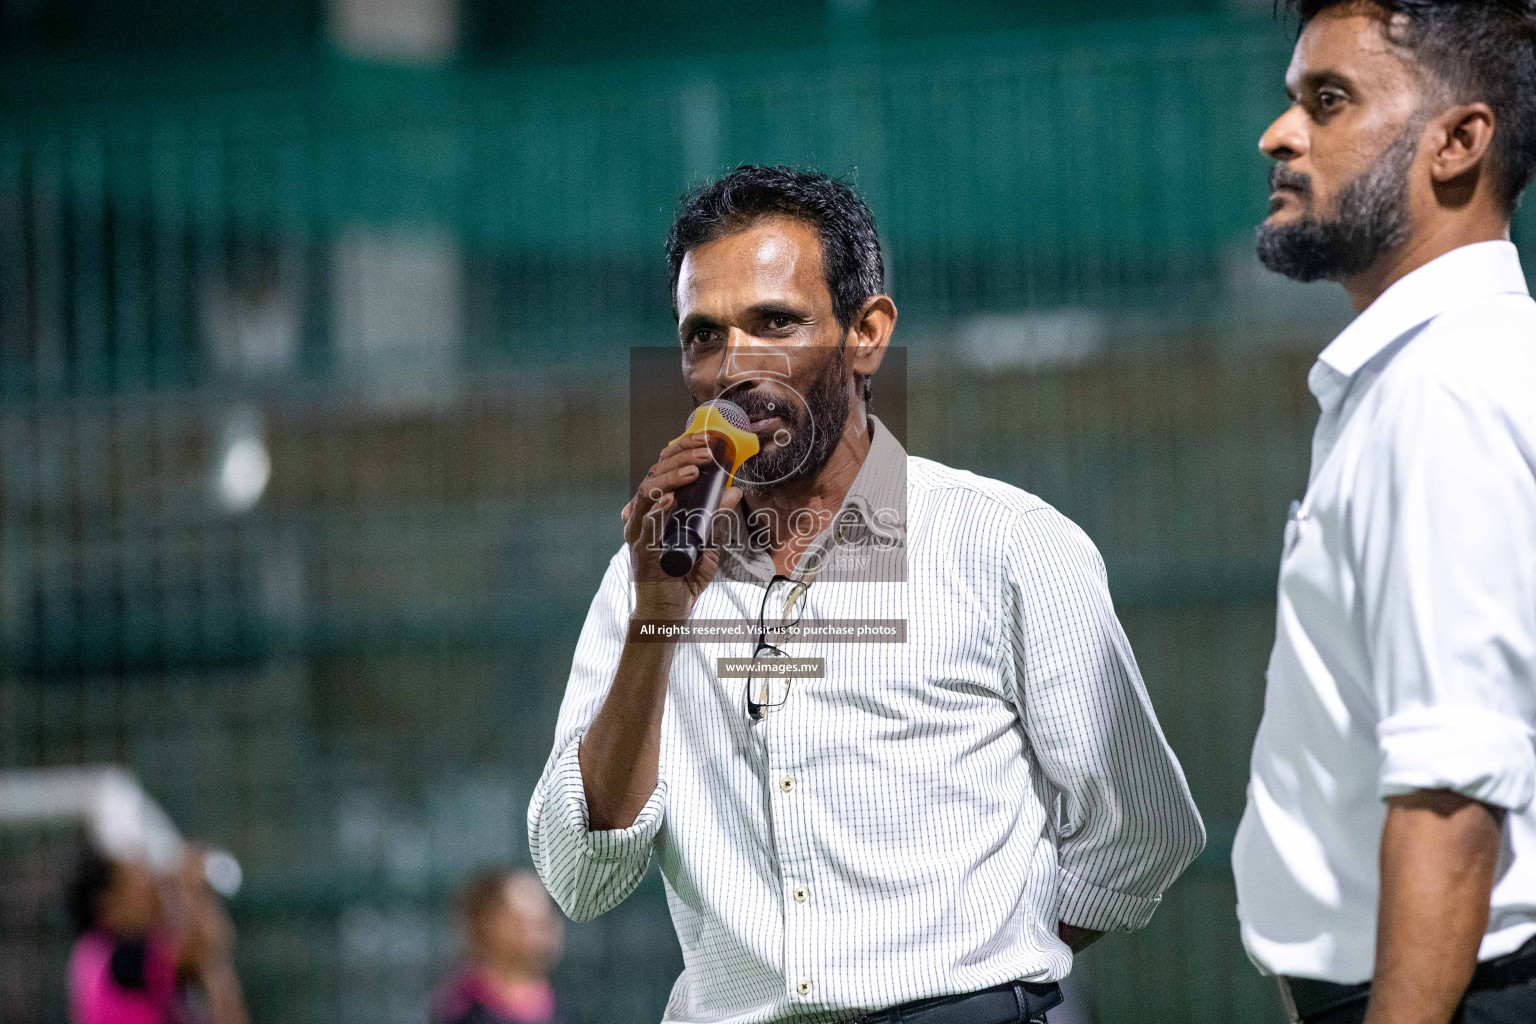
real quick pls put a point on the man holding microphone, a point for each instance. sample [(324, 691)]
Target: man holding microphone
[(927, 830), (1386, 863)]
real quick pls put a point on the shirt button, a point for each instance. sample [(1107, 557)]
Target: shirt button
[(787, 783), (802, 894), (804, 988)]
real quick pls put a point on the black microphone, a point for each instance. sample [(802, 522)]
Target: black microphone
[(687, 530)]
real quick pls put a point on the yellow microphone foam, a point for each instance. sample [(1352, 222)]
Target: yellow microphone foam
[(708, 419)]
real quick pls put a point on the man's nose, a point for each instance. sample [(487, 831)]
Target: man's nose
[(750, 358), (1286, 137), (736, 364)]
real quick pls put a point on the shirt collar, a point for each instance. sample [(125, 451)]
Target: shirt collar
[(881, 482), (878, 497), (1461, 275)]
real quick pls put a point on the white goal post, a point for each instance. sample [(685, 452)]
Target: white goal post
[(121, 819)]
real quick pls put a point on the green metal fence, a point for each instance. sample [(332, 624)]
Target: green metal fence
[(1109, 168), (352, 684)]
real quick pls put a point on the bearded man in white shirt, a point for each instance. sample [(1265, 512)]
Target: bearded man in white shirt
[(1386, 862), (925, 830)]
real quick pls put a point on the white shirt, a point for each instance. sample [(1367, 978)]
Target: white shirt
[(915, 823), (1405, 640)]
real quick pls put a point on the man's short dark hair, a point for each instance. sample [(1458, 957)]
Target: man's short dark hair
[(1476, 50), (850, 248)]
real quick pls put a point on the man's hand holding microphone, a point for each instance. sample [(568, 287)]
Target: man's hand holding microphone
[(659, 594), (621, 750)]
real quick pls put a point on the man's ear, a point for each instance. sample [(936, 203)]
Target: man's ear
[(1461, 137), (870, 333)]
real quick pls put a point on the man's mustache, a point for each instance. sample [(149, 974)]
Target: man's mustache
[(755, 402), (1281, 176)]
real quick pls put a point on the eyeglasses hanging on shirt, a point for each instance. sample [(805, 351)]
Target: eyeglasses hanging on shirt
[(783, 605)]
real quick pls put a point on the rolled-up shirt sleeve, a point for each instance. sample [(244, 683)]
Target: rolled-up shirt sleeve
[(1443, 521), (590, 872), (1128, 825)]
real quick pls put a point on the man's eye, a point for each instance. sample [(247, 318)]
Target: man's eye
[(1328, 100), (778, 322)]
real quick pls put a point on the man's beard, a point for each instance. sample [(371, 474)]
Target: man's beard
[(1371, 219), (814, 430)]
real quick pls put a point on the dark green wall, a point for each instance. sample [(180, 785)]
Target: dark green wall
[(552, 30)]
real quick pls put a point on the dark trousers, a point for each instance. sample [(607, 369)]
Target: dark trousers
[(1513, 1004)]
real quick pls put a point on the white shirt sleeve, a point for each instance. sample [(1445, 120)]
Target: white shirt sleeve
[(589, 873), (1128, 826), (1443, 522)]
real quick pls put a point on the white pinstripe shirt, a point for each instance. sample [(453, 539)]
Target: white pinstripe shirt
[(915, 823)]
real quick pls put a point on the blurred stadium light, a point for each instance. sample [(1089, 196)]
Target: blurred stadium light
[(312, 421)]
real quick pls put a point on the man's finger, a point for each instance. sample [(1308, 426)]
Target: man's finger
[(649, 492), (654, 520), (654, 491), (671, 473), (694, 455), (678, 463), (685, 443), (670, 480)]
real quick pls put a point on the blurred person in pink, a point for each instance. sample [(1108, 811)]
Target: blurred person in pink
[(513, 936), (150, 950)]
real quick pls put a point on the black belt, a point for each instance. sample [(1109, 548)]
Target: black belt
[(1014, 1002), (1308, 998)]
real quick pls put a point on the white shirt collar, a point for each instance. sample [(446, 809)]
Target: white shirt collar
[(1470, 272), (878, 494)]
